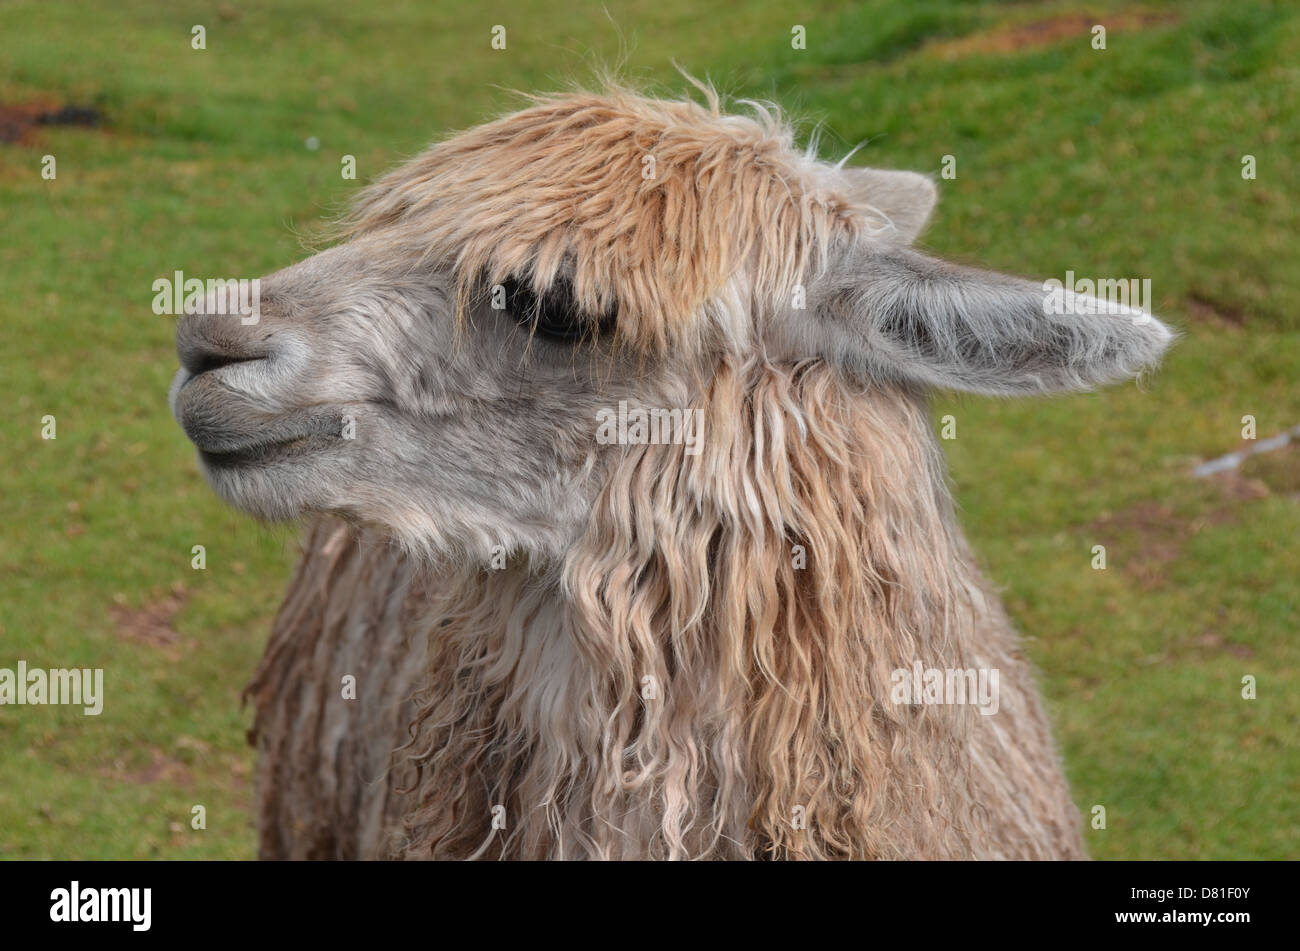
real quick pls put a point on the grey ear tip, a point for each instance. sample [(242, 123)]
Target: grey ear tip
[(1145, 361), (1149, 341), (928, 190), (1165, 338)]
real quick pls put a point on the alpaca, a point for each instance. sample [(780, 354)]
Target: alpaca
[(565, 647)]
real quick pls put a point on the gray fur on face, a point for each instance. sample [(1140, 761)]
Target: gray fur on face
[(471, 439), (479, 438)]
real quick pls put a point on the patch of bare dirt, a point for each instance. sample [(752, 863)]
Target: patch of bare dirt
[(1212, 642), (1278, 470), (161, 768), (1238, 486), (19, 121), (1039, 33), (1204, 309), (153, 623), (1208, 645), (1144, 539)]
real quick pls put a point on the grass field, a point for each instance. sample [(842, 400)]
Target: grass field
[(1118, 162)]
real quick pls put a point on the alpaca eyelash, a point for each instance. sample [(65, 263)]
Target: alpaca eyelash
[(554, 314)]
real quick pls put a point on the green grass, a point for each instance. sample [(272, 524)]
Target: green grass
[(1123, 162)]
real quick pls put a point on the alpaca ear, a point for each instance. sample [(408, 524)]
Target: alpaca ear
[(906, 199), (891, 312)]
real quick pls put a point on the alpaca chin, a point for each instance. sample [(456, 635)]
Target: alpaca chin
[(271, 496)]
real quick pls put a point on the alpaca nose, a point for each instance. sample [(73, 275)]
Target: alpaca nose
[(209, 340), (240, 383), (201, 361)]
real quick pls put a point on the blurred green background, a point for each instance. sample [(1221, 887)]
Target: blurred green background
[(1118, 162)]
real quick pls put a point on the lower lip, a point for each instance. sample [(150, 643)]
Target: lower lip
[(237, 458), (259, 453)]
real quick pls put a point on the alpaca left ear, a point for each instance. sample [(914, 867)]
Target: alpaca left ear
[(905, 199), (889, 312)]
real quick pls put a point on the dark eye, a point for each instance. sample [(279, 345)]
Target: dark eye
[(555, 314)]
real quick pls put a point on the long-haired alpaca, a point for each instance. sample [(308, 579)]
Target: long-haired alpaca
[(664, 647)]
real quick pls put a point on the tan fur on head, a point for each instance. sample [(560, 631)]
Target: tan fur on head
[(652, 204)]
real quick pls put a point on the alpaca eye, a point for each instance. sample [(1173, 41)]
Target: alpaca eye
[(555, 314)]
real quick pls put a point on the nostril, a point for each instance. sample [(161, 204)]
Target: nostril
[(212, 360), (210, 341)]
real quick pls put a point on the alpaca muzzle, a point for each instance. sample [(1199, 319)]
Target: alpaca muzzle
[(236, 389)]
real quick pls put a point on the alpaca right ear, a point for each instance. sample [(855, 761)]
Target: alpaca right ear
[(905, 199), (889, 312)]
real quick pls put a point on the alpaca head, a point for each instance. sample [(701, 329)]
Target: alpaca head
[(442, 370)]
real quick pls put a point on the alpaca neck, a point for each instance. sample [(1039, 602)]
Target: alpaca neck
[(714, 657)]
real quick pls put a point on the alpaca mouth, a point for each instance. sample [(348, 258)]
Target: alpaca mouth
[(256, 453), (230, 431), (225, 448)]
